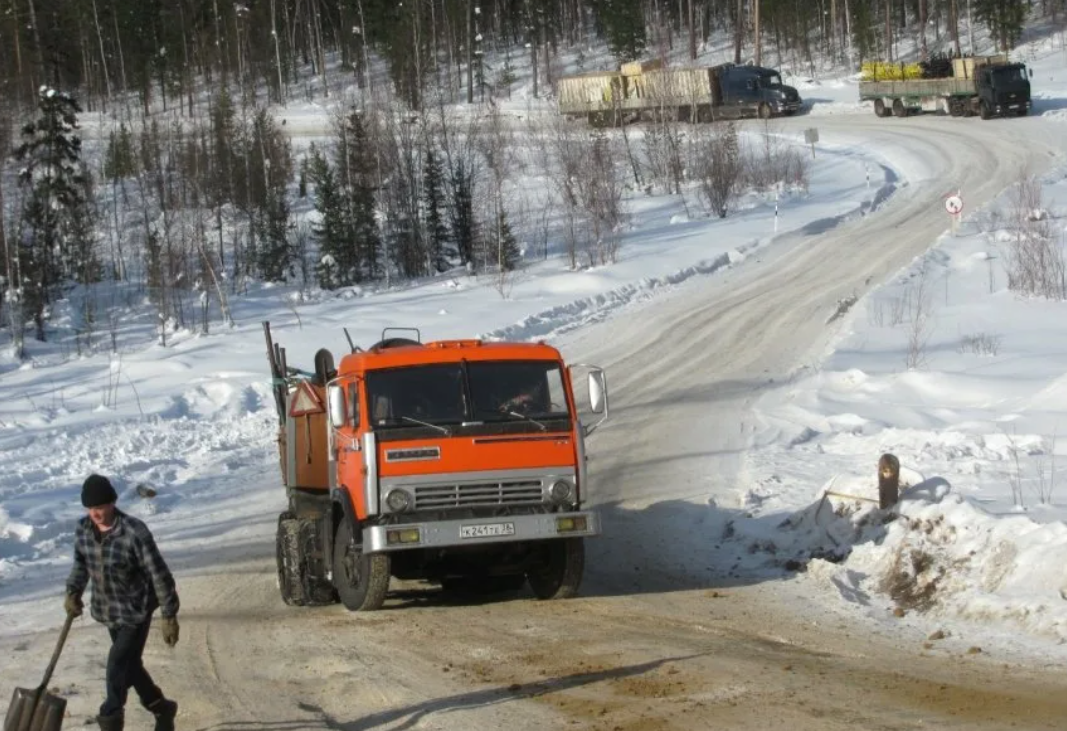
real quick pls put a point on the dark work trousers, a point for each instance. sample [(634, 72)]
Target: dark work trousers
[(125, 669)]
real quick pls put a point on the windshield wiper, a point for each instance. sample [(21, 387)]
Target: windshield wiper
[(444, 429), (524, 417)]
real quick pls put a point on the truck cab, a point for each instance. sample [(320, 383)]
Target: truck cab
[(1003, 89), (460, 462), (758, 88)]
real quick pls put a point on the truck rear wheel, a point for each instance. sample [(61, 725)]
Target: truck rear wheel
[(297, 585), (899, 110), (561, 573), (362, 579), (288, 559), (984, 111), (880, 109)]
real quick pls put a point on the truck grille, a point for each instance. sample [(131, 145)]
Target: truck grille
[(478, 494)]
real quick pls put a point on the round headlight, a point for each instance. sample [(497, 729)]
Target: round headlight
[(398, 500), (560, 491)]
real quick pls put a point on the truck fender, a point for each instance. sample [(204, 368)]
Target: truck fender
[(341, 510)]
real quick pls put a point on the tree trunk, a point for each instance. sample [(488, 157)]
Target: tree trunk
[(739, 30), (923, 50), (756, 32)]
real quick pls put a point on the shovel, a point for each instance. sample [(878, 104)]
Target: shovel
[(36, 709)]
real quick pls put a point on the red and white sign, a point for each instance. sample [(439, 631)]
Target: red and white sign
[(954, 205), (305, 401)]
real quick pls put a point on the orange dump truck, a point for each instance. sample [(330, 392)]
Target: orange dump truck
[(460, 462)]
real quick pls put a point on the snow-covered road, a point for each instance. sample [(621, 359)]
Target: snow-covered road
[(667, 635)]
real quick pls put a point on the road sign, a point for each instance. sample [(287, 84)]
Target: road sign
[(954, 205), (305, 401)]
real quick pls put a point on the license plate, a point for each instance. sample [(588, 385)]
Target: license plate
[(487, 530)]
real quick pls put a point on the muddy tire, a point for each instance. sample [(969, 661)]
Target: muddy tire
[(561, 574), (880, 109), (361, 579), (899, 110), (296, 585), (765, 111), (289, 561)]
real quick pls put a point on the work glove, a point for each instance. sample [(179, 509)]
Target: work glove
[(72, 603), (170, 630)]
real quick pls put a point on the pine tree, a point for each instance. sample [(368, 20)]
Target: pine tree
[(55, 209), (356, 174), (275, 257), (433, 219), (337, 265), (1005, 19), (508, 247), (623, 22), (462, 212)]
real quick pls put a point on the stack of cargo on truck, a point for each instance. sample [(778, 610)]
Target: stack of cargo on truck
[(459, 462), (698, 94), (986, 86)]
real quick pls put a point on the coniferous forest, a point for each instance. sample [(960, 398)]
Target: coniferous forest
[(185, 188)]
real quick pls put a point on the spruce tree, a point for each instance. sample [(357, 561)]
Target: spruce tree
[(356, 175), (54, 213), (623, 23), (507, 246), (433, 219), (337, 256), (462, 212), (1005, 19)]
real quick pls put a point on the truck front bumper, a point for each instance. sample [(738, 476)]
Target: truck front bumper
[(479, 531)]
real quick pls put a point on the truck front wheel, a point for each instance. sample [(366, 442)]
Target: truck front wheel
[(984, 111), (765, 111), (560, 575), (362, 579)]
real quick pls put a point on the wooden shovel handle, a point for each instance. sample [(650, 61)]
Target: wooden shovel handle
[(59, 649)]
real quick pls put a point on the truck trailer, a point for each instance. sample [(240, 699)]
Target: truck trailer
[(697, 94), (459, 462), (986, 86)]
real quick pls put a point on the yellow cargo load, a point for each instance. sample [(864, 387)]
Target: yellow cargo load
[(890, 71)]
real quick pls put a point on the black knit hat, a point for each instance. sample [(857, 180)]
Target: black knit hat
[(97, 491)]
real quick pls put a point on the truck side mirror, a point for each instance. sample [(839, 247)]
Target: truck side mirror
[(335, 398), (598, 392)]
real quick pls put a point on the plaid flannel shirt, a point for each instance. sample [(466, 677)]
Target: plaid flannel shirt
[(129, 576)]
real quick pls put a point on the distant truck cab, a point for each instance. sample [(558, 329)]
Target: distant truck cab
[(986, 86), (460, 462)]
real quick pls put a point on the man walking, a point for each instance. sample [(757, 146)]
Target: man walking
[(130, 580)]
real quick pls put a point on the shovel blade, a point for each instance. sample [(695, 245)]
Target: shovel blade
[(33, 709)]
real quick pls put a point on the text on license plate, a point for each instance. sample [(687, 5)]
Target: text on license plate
[(487, 530)]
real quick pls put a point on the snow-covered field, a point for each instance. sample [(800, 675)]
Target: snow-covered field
[(975, 423)]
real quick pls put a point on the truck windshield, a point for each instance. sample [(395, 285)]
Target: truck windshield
[(504, 389), (770, 81), (1009, 75), (440, 394)]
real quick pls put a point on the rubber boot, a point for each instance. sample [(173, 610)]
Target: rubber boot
[(114, 722), (164, 710)]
